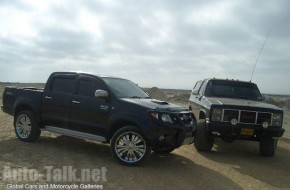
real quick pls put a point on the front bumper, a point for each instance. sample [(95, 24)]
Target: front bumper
[(227, 129), (171, 136)]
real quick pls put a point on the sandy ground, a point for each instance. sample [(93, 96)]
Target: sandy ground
[(229, 166)]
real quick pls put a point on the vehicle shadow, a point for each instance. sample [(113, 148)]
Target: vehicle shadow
[(158, 172), (244, 157)]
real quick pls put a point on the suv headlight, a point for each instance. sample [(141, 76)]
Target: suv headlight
[(164, 117), (277, 119), (216, 114)]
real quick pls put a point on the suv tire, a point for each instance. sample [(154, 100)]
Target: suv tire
[(203, 141), (26, 128), (129, 146), (268, 146)]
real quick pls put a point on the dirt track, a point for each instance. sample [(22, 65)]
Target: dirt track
[(228, 166)]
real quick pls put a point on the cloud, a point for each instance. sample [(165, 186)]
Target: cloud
[(169, 44)]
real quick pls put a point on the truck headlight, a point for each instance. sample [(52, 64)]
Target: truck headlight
[(216, 114), (166, 118), (162, 116), (277, 116), (216, 111), (277, 119)]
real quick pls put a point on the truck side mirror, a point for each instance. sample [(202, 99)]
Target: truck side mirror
[(194, 92), (101, 94)]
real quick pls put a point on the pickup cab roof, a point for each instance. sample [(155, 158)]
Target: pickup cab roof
[(84, 73)]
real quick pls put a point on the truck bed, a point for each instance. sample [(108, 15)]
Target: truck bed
[(12, 95)]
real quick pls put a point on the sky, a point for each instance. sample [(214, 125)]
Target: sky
[(165, 43)]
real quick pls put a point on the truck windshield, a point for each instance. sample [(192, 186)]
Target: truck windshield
[(123, 88), (233, 89)]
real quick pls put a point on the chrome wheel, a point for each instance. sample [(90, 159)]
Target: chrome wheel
[(23, 126), (130, 147)]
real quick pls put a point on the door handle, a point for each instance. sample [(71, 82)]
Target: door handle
[(75, 102), (48, 97)]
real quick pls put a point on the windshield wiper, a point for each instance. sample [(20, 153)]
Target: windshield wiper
[(136, 97), (139, 97), (245, 97)]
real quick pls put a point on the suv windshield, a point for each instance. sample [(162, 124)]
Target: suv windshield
[(123, 88), (233, 89)]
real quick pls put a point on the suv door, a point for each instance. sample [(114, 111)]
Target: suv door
[(195, 93), (57, 100), (89, 114)]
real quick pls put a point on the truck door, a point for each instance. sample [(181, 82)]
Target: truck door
[(89, 114), (195, 93), (57, 100)]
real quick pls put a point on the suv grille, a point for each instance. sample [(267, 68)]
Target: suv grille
[(249, 117)]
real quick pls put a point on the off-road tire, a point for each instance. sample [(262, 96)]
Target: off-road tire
[(203, 141), (268, 146)]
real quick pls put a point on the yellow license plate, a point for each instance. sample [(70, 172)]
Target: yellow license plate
[(245, 131)]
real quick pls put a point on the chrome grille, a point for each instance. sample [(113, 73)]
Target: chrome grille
[(247, 117)]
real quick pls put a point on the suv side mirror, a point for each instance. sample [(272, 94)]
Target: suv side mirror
[(194, 92), (101, 94)]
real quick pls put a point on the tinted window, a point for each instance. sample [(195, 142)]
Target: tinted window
[(233, 89), (63, 85), (88, 87), (124, 88)]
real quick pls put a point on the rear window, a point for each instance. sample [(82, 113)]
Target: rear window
[(63, 85)]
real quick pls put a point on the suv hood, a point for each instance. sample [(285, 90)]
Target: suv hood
[(241, 102), (153, 104)]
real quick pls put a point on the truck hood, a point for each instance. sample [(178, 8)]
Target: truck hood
[(153, 104), (241, 102)]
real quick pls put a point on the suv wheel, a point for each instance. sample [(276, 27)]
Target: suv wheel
[(203, 141), (25, 127), (129, 147), (268, 146), (163, 150)]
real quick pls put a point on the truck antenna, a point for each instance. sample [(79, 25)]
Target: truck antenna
[(260, 54)]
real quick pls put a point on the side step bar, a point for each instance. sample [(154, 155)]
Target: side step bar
[(76, 134)]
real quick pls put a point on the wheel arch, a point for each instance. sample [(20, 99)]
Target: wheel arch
[(202, 114), (27, 104), (120, 123), (22, 107)]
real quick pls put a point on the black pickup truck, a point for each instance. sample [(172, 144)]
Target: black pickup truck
[(106, 109), (233, 109)]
